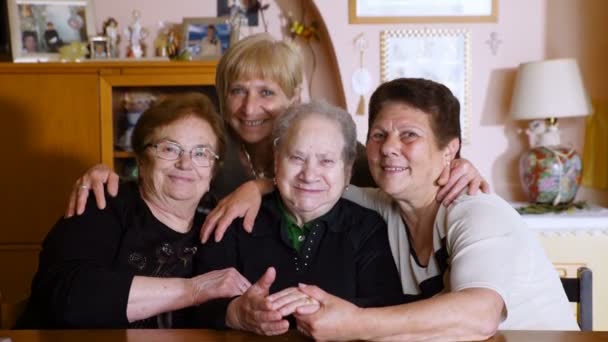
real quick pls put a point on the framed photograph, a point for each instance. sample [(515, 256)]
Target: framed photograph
[(205, 38), (100, 47), (421, 11), (40, 27), (246, 9), (441, 55)]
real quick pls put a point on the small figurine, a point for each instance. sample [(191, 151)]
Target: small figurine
[(541, 134), (110, 30), (73, 52), (137, 34), (135, 103), (167, 42)]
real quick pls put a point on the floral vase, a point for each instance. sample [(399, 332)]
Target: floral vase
[(550, 174)]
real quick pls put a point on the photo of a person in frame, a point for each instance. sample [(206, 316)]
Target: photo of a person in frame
[(29, 41), (210, 44), (51, 38), (207, 40)]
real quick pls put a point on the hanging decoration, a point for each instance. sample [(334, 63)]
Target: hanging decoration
[(361, 79), (299, 29)]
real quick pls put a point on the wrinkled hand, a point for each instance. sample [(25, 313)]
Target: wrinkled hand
[(224, 283), (288, 300), (457, 176), (335, 319), (245, 202), (252, 312), (93, 179)]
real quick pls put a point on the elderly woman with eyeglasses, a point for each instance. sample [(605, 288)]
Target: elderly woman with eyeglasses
[(131, 265)]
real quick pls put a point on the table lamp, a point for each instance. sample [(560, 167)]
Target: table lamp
[(545, 91)]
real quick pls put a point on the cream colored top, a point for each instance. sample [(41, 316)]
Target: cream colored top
[(479, 242)]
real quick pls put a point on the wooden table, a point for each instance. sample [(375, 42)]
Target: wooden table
[(212, 335)]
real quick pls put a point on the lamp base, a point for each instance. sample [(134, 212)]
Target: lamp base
[(550, 174)]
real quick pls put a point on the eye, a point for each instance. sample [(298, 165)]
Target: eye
[(377, 136), (200, 152), (169, 148), (267, 92), (409, 135), (296, 159), (327, 162), (237, 91)]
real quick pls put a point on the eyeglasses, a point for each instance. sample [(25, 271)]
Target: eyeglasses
[(200, 155)]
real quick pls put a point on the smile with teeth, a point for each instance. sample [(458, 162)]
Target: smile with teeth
[(252, 123), (394, 168)]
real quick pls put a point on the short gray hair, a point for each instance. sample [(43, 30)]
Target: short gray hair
[(297, 112)]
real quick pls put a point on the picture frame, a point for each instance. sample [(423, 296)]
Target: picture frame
[(38, 28), (441, 55), (197, 41), (422, 11), (99, 47)]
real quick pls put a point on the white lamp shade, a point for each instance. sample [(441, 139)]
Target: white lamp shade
[(551, 88)]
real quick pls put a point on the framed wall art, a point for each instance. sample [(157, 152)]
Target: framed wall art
[(441, 55), (40, 27), (421, 11), (205, 38)]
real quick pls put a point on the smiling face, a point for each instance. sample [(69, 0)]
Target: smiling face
[(403, 155), (178, 180), (252, 106), (310, 171)]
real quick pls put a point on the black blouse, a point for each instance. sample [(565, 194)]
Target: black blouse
[(346, 253), (88, 262)]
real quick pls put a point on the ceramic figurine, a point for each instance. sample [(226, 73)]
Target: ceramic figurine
[(137, 34), (110, 30)]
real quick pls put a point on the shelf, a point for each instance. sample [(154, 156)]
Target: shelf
[(123, 154)]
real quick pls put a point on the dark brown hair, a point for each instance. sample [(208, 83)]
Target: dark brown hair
[(428, 96), (174, 108)]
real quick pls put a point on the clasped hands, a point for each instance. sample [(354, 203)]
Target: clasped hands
[(260, 312)]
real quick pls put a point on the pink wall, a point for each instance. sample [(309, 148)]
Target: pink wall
[(529, 30), (495, 145)]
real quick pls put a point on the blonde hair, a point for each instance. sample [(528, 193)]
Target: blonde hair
[(260, 56)]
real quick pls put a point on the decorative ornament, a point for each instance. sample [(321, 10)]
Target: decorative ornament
[(494, 43), (167, 41), (73, 52), (137, 34), (306, 33), (110, 30), (361, 80), (256, 6)]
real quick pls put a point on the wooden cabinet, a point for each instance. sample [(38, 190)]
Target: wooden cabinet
[(57, 121)]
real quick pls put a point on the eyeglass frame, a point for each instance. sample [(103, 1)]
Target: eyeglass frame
[(182, 150)]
